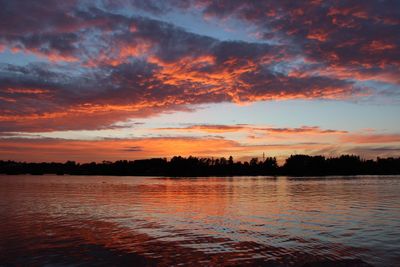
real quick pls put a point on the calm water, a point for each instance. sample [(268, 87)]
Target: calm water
[(106, 221)]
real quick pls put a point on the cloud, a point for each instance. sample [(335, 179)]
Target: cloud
[(99, 65), (220, 128), (361, 36), (371, 138), (133, 149), (209, 128), (99, 62)]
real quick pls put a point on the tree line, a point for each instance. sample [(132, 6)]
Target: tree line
[(295, 165)]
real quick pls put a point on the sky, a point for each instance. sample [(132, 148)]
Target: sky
[(96, 80)]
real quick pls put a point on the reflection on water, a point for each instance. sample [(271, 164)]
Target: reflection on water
[(111, 221)]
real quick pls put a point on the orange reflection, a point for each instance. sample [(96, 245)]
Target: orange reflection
[(215, 221)]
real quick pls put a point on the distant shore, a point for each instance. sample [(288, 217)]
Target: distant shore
[(295, 165)]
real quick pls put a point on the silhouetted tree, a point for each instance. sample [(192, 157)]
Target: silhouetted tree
[(295, 165)]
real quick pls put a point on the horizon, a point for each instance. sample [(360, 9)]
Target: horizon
[(281, 162), (105, 80), (295, 165)]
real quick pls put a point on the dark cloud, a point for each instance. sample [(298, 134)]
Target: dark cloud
[(101, 65), (133, 149), (361, 35)]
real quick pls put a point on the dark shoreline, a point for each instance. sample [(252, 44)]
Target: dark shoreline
[(294, 166)]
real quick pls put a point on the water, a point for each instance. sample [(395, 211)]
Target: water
[(111, 221)]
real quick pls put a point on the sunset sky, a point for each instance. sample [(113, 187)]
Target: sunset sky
[(127, 79)]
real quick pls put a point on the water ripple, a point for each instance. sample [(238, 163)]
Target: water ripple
[(114, 221)]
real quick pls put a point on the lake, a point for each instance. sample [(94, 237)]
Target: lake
[(113, 221)]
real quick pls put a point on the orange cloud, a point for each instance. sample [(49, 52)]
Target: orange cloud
[(223, 79), (120, 53), (371, 138), (207, 128), (212, 128), (85, 116), (26, 91), (350, 72), (7, 99), (304, 129), (318, 35), (377, 46), (112, 67)]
